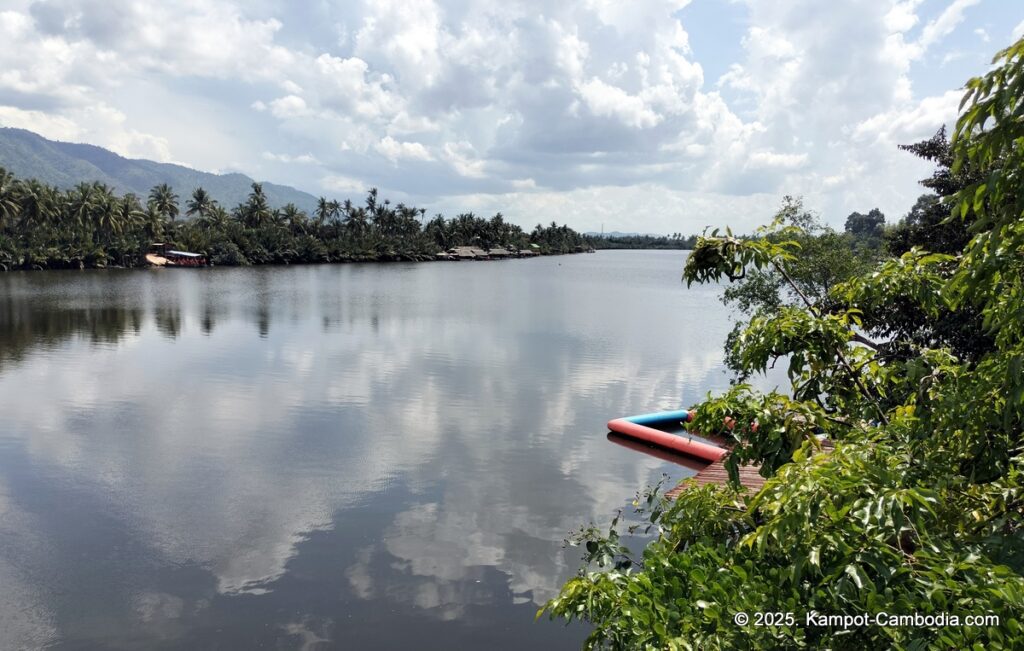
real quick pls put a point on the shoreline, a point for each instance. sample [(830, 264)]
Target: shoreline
[(364, 260)]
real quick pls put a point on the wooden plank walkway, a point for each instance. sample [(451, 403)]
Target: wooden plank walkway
[(715, 473)]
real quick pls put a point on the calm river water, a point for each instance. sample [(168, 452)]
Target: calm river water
[(338, 456)]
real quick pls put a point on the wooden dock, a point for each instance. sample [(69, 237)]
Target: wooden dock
[(715, 473)]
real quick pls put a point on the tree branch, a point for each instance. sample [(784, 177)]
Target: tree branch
[(861, 339), (839, 353)]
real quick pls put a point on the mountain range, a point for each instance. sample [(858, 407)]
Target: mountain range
[(28, 155)]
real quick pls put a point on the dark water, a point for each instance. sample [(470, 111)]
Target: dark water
[(355, 456)]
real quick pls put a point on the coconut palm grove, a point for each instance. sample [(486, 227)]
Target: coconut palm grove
[(44, 227)]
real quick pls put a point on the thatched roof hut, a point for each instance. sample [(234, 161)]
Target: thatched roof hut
[(468, 253)]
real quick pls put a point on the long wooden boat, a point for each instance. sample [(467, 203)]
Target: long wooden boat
[(160, 256)]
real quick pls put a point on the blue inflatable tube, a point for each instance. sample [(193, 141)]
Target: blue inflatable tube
[(658, 417)]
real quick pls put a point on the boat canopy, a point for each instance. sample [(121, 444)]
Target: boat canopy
[(186, 254)]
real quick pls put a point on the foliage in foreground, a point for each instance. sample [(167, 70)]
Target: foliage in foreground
[(43, 227), (918, 509), (826, 259)]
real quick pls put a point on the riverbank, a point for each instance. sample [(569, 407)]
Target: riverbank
[(449, 256), (90, 226)]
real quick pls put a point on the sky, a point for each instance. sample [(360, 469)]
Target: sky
[(657, 116)]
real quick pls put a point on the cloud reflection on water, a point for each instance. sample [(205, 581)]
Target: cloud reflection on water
[(229, 418)]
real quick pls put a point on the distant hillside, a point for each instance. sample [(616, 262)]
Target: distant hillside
[(30, 156)]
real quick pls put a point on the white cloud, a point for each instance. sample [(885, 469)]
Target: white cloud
[(483, 96), (403, 123), (55, 127), (343, 184), (611, 101), (571, 54), (304, 159), (946, 22), (901, 16), (395, 150), (463, 157), (343, 85), (405, 34), (289, 106), (907, 124), (98, 123), (770, 159)]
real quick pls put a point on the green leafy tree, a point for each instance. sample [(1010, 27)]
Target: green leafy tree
[(826, 259), (917, 510), (928, 224), (870, 226)]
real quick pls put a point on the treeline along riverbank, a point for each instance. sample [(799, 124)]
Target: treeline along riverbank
[(621, 241), (90, 226)]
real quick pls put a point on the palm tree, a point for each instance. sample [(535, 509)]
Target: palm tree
[(356, 219), (105, 213), (200, 204), (9, 191), (216, 218), (323, 211), (294, 218), (153, 222), (37, 204), (81, 202), (438, 231), (256, 211), (129, 212), (163, 200)]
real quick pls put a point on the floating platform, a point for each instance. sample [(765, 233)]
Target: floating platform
[(707, 458), (639, 428), (716, 474)]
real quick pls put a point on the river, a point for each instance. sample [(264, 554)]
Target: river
[(336, 456)]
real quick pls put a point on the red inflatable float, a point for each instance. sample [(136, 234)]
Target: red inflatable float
[(636, 427)]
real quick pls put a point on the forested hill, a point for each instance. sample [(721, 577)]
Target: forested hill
[(29, 155)]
